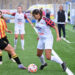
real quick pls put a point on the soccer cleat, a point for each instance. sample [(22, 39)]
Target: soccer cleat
[(22, 48), (21, 66), (42, 66), (1, 62), (63, 66), (12, 60)]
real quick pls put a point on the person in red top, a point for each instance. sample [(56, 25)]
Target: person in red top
[(19, 25)]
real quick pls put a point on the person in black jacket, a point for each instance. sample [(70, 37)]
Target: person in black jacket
[(48, 13), (61, 20)]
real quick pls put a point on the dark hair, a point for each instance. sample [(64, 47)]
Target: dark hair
[(19, 6), (1, 12), (37, 11)]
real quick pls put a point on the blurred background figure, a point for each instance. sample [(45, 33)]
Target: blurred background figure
[(47, 13), (43, 12), (61, 21)]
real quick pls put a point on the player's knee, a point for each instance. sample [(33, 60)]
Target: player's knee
[(48, 58), (38, 55), (22, 38), (11, 49)]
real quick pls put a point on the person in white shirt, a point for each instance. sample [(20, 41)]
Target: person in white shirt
[(45, 41), (61, 18), (20, 25)]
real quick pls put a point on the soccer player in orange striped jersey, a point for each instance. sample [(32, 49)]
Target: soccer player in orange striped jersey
[(4, 44), (3, 36)]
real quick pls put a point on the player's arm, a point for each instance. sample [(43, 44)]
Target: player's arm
[(8, 31), (53, 25), (7, 28), (57, 33), (28, 20), (13, 14)]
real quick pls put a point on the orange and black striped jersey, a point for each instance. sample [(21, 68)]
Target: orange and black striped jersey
[(3, 27)]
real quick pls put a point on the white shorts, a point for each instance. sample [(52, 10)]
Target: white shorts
[(45, 43), (19, 30)]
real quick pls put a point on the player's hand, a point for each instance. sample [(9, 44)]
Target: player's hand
[(9, 31), (32, 25), (58, 38), (65, 23)]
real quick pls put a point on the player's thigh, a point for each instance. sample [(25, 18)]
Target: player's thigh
[(49, 43), (40, 44), (39, 52), (16, 31), (48, 54), (10, 49), (48, 47), (22, 31)]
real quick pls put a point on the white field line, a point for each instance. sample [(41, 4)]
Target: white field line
[(68, 71), (66, 40)]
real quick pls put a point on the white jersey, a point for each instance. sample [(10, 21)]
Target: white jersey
[(19, 23), (19, 19), (43, 29)]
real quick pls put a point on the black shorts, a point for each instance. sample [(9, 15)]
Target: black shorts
[(3, 43)]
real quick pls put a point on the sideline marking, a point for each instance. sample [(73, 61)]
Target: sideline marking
[(66, 40)]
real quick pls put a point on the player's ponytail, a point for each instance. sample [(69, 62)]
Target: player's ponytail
[(41, 13), (37, 11)]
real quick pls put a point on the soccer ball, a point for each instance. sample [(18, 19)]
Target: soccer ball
[(32, 68)]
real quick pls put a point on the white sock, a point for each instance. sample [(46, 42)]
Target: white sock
[(22, 43), (42, 60), (53, 58), (15, 42)]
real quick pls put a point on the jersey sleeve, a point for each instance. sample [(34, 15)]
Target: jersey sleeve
[(49, 22), (13, 14), (25, 16)]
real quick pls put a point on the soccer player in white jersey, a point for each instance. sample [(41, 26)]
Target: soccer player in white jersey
[(43, 26), (19, 25)]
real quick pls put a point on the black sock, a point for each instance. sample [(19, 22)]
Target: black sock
[(1, 56), (9, 56), (16, 59)]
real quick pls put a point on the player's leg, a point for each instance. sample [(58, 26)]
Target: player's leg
[(22, 32), (5, 39), (63, 29), (15, 41), (53, 58), (22, 41), (16, 36), (59, 29), (0, 57), (42, 60), (40, 49), (10, 50), (48, 49)]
